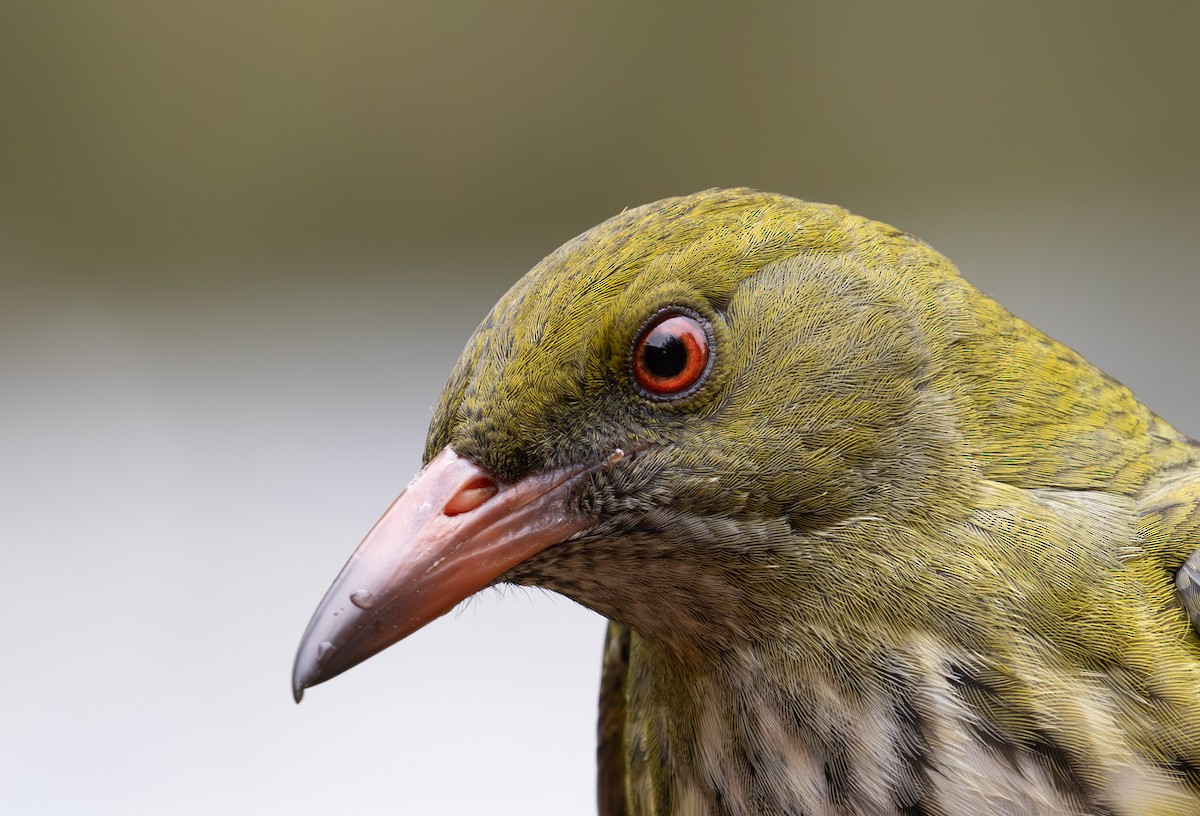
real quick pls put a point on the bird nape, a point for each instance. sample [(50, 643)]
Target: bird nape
[(870, 544)]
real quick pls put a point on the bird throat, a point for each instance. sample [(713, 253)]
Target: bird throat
[(832, 697)]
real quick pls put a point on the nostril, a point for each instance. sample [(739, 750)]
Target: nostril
[(471, 495)]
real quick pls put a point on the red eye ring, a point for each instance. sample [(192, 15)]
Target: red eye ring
[(671, 355)]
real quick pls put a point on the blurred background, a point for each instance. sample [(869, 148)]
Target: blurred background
[(242, 243)]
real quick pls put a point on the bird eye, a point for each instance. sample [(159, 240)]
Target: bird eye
[(671, 356)]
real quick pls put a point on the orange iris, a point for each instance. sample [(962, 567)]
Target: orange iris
[(671, 355)]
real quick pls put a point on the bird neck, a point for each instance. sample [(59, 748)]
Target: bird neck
[(919, 728), (758, 733), (1035, 414)]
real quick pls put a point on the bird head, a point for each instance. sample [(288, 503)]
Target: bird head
[(666, 418)]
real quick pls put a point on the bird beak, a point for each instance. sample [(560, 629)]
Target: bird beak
[(453, 531)]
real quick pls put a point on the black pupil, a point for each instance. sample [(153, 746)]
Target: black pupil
[(664, 355)]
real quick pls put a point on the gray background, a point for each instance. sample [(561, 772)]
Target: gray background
[(241, 244)]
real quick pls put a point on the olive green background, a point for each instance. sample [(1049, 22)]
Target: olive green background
[(241, 245)]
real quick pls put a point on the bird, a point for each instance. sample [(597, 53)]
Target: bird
[(867, 542)]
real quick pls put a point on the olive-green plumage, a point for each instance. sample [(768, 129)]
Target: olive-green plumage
[(900, 552)]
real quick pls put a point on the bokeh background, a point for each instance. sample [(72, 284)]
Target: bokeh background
[(242, 243)]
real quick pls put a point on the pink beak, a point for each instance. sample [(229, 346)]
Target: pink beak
[(451, 533)]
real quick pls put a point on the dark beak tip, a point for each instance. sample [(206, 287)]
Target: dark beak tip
[(305, 674)]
